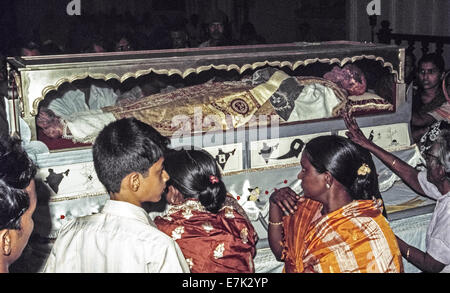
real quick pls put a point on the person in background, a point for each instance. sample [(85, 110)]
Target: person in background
[(121, 238), (249, 36), (327, 230), (17, 200), (194, 31), (434, 182), (50, 47), (29, 49), (211, 228), (179, 38), (429, 103), (95, 43), (123, 43), (216, 21)]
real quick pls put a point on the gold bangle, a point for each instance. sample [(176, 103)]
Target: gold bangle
[(276, 224), (407, 253)]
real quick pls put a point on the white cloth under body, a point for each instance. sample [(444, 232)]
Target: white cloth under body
[(438, 233), (84, 121), (119, 239), (314, 102)]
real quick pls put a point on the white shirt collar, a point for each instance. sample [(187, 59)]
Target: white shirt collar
[(126, 209)]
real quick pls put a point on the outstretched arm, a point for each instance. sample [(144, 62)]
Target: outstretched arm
[(406, 172), (420, 259)]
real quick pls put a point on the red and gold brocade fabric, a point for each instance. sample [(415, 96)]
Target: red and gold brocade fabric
[(354, 238), (211, 243)]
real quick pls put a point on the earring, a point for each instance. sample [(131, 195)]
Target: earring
[(328, 186), (6, 245)]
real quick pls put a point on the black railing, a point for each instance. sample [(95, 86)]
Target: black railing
[(386, 36)]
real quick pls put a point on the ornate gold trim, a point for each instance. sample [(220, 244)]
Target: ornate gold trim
[(18, 83), (402, 63), (66, 198), (200, 69), (252, 170)]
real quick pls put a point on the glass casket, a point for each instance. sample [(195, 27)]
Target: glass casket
[(252, 107)]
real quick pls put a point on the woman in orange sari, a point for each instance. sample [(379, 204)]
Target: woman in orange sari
[(338, 226), (208, 224)]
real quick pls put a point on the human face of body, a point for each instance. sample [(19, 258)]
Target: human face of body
[(55, 130), (429, 75), (313, 182), (154, 183), (19, 238)]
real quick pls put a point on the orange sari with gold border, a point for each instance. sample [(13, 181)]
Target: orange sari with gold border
[(354, 238)]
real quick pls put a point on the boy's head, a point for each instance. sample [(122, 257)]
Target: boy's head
[(128, 159)]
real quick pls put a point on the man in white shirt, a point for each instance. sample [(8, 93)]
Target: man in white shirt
[(438, 233), (128, 159)]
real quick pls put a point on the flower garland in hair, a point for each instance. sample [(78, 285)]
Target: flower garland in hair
[(213, 179), (363, 170)]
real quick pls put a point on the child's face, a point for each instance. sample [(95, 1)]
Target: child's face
[(154, 184)]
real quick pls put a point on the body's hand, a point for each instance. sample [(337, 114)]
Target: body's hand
[(286, 199), (354, 132)]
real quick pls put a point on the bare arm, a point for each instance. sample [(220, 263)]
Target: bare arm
[(407, 173), (420, 259), (282, 202)]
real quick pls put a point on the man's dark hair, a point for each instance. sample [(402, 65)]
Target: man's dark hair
[(125, 146), (16, 168), (16, 172)]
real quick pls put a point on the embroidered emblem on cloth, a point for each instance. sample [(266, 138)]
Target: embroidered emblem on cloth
[(207, 227), (176, 234), (218, 252), (244, 235), (240, 106)]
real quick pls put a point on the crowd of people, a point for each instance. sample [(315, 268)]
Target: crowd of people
[(339, 225), (123, 33)]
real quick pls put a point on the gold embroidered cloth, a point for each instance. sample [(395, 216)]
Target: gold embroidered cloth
[(214, 106)]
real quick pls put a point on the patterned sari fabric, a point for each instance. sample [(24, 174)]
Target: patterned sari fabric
[(211, 243), (354, 238)]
